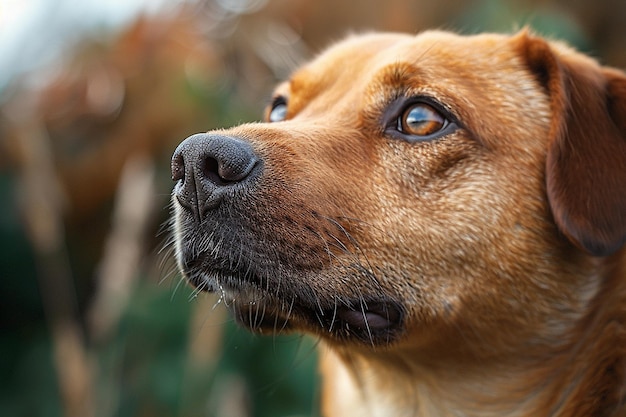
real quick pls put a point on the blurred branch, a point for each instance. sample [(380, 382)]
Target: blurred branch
[(122, 258), (41, 202), (121, 264), (232, 397)]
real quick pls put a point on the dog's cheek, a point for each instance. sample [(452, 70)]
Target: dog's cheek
[(456, 244)]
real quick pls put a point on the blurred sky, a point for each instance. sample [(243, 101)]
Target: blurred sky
[(35, 32)]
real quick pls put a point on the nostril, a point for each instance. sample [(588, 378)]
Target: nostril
[(226, 169), (236, 167), (178, 167), (211, 170)]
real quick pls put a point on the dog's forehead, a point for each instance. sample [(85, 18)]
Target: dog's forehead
[(380, 49), (347, 58), (361, 58)]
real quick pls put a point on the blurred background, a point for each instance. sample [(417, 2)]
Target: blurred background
[(94, 97)]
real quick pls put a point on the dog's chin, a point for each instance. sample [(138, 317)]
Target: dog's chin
[(369, 320)]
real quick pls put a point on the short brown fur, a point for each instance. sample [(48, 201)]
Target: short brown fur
[(477, 272)]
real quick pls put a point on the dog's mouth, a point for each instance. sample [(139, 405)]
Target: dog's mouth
[(373, 323), (262, 308)]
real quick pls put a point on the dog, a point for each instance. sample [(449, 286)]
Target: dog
[(446, 213)]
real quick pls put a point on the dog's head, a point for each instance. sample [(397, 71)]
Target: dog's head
[(403, 190)]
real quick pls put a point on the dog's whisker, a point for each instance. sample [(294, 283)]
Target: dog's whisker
[(276, 331), (329, 252), (320, 320), (339, 244), (256, 315), (288, 314), (319, 306), (181, 281), (369, 271), (196, 291), (334, 317), (364, 309), (219, 301), (168, 273)]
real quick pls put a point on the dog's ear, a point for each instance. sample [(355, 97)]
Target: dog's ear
[(586, 157)]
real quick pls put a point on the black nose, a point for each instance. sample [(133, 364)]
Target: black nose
[(206, 167)]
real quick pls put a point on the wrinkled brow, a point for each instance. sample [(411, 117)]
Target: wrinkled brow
[(393, 80)]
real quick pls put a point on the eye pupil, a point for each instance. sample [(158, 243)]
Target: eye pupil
[(278, 112), (421, 120)]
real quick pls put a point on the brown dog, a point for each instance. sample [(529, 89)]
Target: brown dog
[(447, 214)]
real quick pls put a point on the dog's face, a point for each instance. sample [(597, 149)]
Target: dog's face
[(402, 191)]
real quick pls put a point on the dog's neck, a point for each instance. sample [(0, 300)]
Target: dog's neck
[(400, 387), (365, 387), (517, 383)]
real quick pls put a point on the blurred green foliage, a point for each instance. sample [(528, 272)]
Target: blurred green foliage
[(505, 17), (28, 381), (144, 369), (148, 368)]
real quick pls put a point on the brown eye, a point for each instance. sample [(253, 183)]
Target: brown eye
[(421, 120)]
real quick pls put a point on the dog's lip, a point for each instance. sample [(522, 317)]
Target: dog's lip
[(379, 316), (377, 323)]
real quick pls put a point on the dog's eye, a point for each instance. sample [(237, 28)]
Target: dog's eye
[(422, 120), (278, 111)]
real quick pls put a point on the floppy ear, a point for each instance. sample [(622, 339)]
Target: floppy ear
[(586, 156)]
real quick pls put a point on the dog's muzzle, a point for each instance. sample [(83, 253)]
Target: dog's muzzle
[(265, 254)]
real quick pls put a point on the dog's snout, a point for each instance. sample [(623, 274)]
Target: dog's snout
[(205, 166)]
